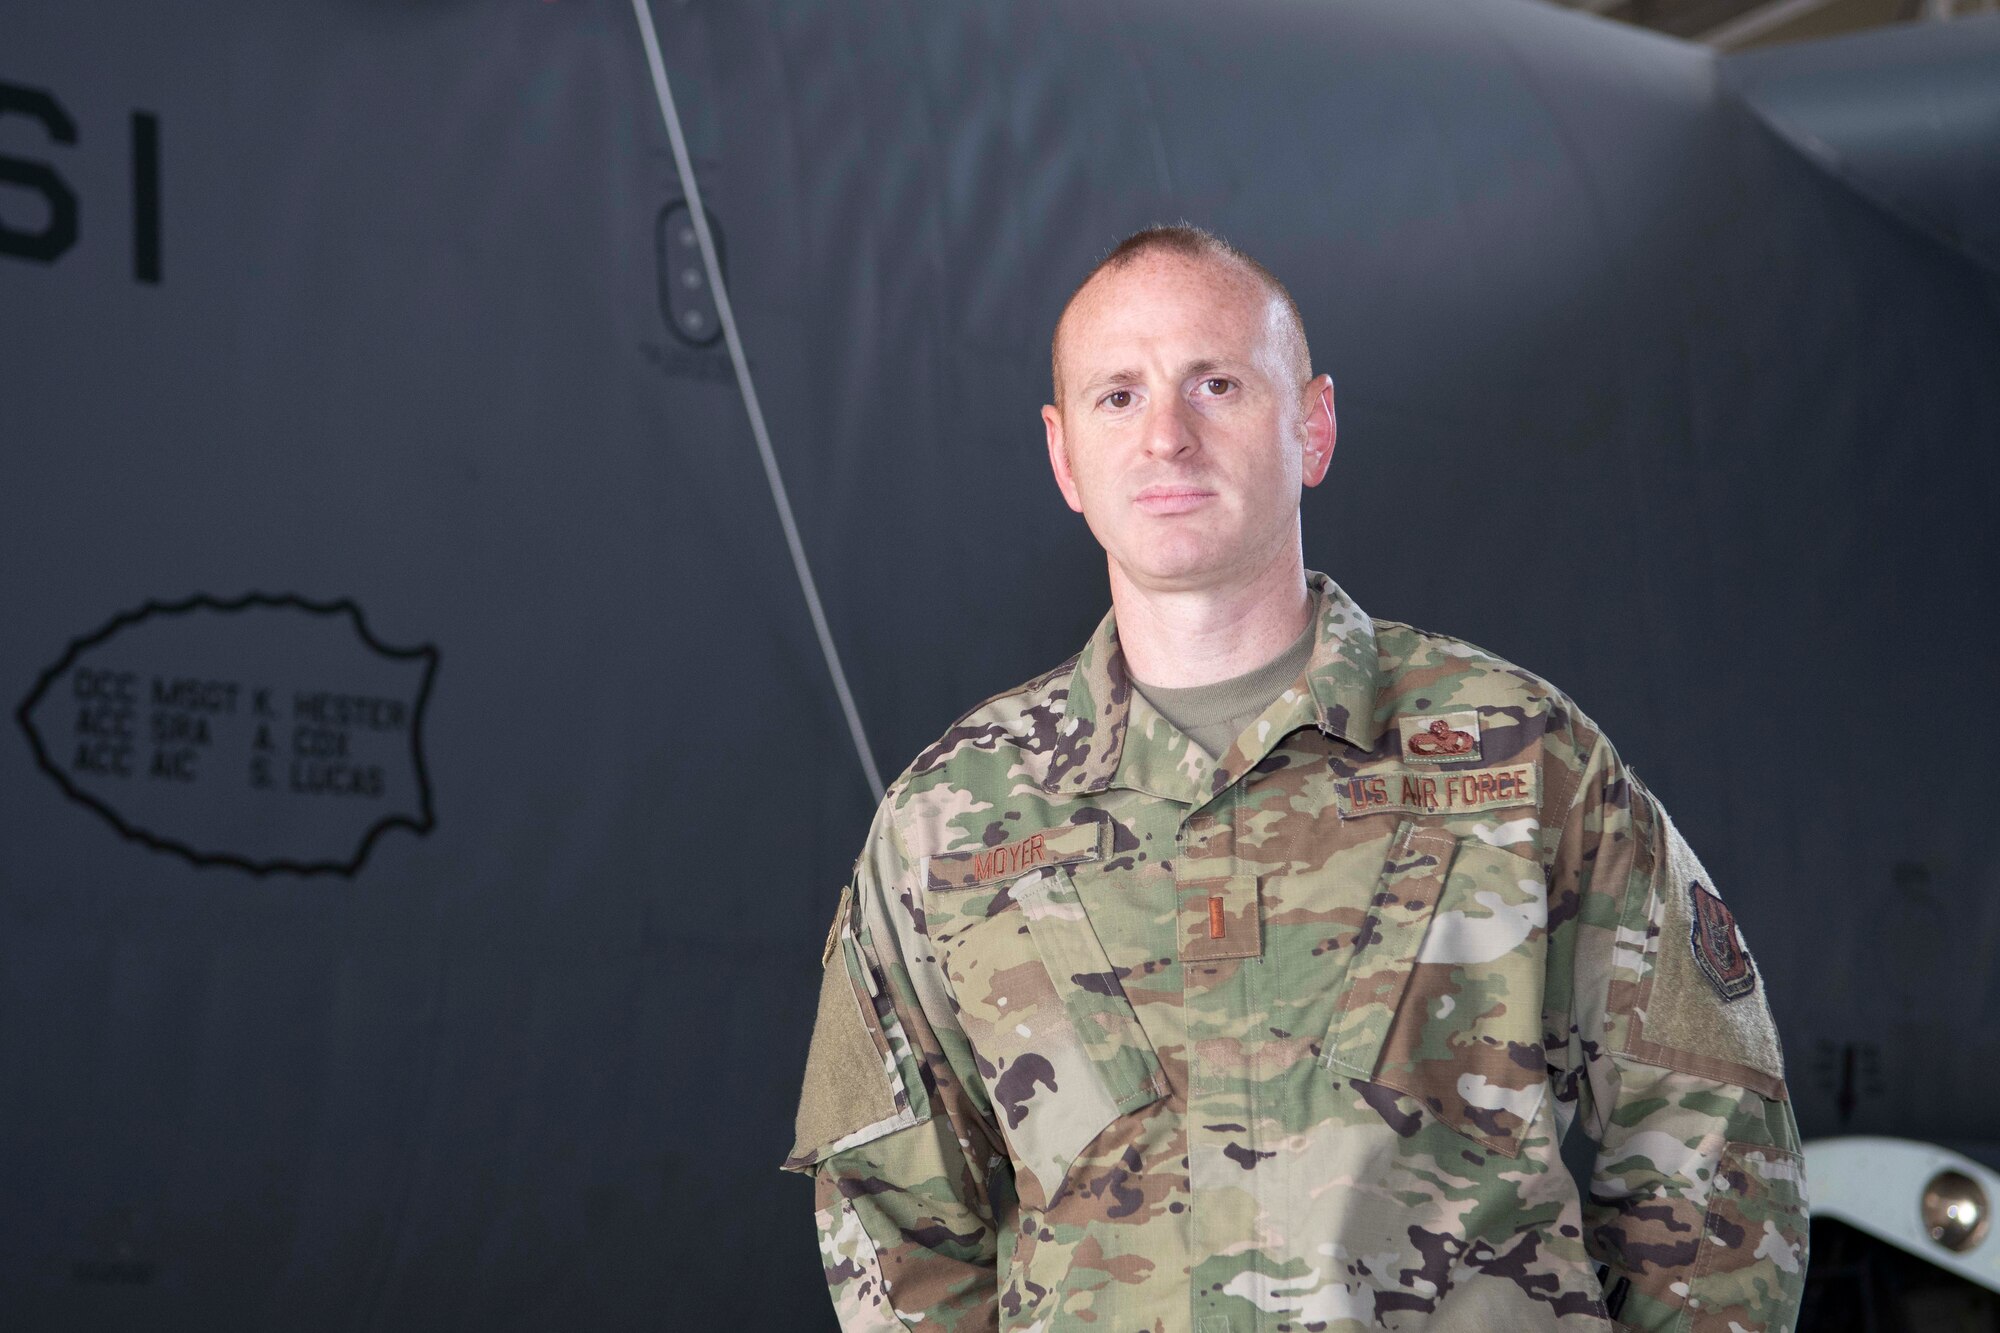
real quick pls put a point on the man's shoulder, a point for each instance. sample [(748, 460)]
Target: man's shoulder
[(1001, 744), (1422, 671)]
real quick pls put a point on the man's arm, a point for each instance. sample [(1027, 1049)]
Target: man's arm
[(897, 1138), (1697, 1206)]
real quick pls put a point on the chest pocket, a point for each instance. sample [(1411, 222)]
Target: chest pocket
[(1442, 999), (1060, 1049)]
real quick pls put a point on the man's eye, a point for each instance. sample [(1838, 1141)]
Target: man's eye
[(1118, 398), (1216, 385)]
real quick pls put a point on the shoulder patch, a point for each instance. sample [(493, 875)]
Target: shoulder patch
[(1718, 945), (1067, 845), (1702, 1008)]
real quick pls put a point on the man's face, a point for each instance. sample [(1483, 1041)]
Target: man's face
[(1184, 433)]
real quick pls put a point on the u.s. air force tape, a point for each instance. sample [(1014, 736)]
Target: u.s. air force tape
[(1462, 793)]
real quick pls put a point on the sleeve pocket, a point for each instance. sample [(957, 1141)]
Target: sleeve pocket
[(1751, 1268), (854, 1272)]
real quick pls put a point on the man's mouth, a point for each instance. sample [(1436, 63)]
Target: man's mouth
[(1172, 499)]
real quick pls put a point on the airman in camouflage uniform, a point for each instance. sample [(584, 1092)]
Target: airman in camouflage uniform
[(1115, 1035)]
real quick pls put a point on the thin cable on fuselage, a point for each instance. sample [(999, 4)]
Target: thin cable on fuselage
[(685, 166)]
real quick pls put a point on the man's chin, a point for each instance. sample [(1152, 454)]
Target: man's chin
[(1180, 568)]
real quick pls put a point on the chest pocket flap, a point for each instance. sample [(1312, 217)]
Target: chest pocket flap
[(1061, 1050), (1444, 994), (1382, 950)]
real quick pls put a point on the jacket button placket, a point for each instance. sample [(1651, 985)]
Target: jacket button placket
[(1217, 996)]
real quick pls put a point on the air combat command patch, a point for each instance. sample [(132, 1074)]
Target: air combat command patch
[(1718, 949)]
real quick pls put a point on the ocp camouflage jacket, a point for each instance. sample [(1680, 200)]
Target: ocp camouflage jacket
[(1113, 1037)]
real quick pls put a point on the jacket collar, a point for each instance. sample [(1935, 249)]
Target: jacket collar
[(1092, 751)]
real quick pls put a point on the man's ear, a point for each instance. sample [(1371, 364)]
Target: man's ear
[(1059, 457), (1321, 429)]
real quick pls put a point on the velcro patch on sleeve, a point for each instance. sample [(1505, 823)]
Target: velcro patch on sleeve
[(1067, 845), (852, 1090), (1463, 793), (1704, 1005)]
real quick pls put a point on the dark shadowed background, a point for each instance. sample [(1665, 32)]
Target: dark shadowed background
[(430, 940)]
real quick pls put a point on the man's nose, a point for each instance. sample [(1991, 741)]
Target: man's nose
[(1170, 428)]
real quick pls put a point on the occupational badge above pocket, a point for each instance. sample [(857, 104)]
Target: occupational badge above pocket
[(1058, 1045), (861, 1077), (1443, 1001)]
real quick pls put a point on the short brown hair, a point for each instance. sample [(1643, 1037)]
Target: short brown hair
[(1192, 243)]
